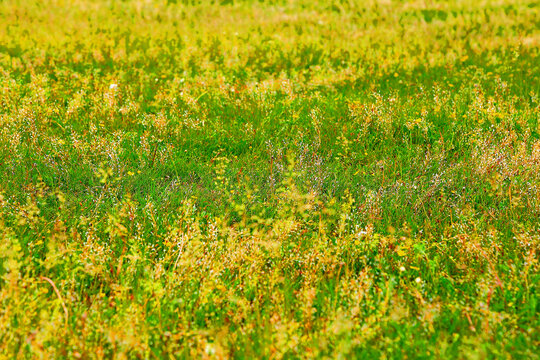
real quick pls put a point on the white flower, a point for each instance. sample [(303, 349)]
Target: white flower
[(418, 280), (402, 268), (113, 86)]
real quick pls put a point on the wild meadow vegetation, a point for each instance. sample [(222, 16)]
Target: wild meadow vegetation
[(275, 179)]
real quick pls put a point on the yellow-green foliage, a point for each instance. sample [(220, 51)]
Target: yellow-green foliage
[(269, 179)]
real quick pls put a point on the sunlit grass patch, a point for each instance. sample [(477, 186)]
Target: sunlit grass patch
[(283, 179)]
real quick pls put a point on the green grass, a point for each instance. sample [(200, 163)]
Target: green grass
[(278, 179)]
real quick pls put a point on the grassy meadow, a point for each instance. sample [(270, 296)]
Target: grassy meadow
[(280, 179)]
